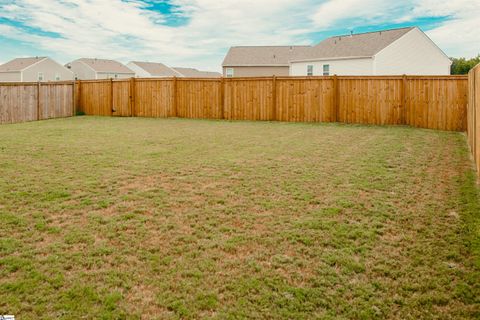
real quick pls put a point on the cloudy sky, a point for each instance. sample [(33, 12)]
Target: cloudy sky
[(198, 33)]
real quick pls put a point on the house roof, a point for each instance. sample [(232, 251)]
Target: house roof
[(194, 73), (19, 64), (157, 69), (357, 45), (263, 55), (104, 65)]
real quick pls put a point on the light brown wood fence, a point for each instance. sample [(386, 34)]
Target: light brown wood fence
[(473, 118), (29, 101), (436, 102)]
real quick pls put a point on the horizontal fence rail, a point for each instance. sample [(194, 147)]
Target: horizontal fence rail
[(473, 117), (30, 101), (435, 102)]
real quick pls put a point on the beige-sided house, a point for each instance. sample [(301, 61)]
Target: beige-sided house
[(33, 69), (152, 70), (385, 52), (92, 69), (257, 61), (194, 73)]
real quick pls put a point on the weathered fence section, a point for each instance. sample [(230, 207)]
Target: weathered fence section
[(436, 102), (30, 101), (473, 114)]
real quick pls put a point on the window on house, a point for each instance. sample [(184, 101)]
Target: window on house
[(310, 70), (229, 72), (40, 76), (57, 77), (326, 69), (116, 76)]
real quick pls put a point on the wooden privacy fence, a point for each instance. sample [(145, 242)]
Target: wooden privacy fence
[(436, 102), (473, 117), (29, 101)]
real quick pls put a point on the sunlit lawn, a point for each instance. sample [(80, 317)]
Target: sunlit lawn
[(153, 218)]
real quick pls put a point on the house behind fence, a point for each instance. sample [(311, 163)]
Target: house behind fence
[(33, 69)]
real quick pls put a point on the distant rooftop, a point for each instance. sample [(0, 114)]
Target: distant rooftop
[(19, 64), (194, 73), (105, 65), (263, 55), (157, 69)]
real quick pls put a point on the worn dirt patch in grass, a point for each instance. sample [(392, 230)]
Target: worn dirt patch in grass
[(111, 217)]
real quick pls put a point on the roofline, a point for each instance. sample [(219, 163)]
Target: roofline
[(255, 65), (44, 58), (284, 46), (425, 35), (59, 65), (333, 58), (21, 70), (85, 64), (383, 30), (136, 63)]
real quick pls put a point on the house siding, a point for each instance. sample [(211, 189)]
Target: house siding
[(351, 67), (108, 75), (139, 72), (412, 54), (82, 71), (10, 76), (49, 68), (257, 71)]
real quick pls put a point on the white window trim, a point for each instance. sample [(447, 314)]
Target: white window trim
[(40, 74), (57, 77), (328, 71), (309, 73), (229, 72)]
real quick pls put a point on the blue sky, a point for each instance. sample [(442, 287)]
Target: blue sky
[(198, 33)]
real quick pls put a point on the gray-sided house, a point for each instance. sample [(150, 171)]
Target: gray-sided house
[(257, 61), (33, 69), (91, 69)]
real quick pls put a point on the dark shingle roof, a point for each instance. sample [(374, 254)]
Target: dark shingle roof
[(263, 55), (356, 45)]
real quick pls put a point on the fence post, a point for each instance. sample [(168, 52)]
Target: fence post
[(222, 97), (111, 97), (174, 102), (38, 100), (404, 100), (132, 97), (74, 101), (336, 102), (274, 97)]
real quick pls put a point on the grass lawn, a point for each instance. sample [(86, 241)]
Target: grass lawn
[(152, 218)]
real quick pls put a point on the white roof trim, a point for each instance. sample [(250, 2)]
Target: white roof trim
[(332, 58), (424, 35), (21, 70)]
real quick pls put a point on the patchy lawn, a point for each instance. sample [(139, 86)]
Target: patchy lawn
[(151, 218)]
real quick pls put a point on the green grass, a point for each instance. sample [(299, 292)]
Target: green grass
[(111, 218)]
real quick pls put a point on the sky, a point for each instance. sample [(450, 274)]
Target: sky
[(198, 33)]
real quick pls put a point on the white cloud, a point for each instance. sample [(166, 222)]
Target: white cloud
[(126, 30)]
